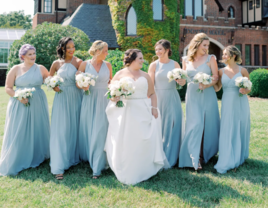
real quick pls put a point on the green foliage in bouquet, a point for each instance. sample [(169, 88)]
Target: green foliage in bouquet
[(45, 38), (259, 79)]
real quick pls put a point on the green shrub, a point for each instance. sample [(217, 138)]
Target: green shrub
[(83, 55), (45, 38), (259, 79)]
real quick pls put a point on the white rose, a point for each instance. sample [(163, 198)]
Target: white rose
[(92, 82), (118, 93), (79, 77)]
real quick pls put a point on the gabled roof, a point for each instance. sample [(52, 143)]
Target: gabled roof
[(95, 20)]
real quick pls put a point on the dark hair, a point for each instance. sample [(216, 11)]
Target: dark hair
[(166, 44), (130, 56), (62, 44)]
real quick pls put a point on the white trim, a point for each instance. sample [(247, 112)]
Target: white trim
[(208, 26), (211, 40)]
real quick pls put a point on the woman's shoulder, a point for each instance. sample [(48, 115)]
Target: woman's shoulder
[(15, 69)]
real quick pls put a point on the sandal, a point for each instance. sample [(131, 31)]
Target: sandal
[(199, 166), (95, 177), (59, 176)]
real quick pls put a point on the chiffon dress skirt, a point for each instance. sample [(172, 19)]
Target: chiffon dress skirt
[(169, 104), (235, 126), (26, 136), (134, 141), (65, 122), (93, 121), (202, 120)]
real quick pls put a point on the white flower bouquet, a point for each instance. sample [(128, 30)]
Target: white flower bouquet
[(175, 74), (84, 80), (24, 93), (54, 81), (203, 78), (121, 88), (243, 82)]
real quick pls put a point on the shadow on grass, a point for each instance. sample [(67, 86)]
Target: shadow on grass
[(197, 189)]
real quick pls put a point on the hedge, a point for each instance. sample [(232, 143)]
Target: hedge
[(259, 79)]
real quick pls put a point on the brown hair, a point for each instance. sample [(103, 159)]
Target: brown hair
[(194, 44), (233, 51), (166, 45), (130, 56)]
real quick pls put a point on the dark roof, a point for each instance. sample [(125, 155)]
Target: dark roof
[(95, 20)]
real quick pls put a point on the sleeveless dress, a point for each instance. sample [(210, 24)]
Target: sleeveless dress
[(93, 121), (65, 122), (169, 104), (202, 117), (235, 126), (26, 137), (134, 141)]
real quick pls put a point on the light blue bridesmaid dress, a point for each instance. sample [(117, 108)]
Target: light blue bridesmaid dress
[(169, 104), (26, 136), (202, 117), (93, 121), (65, 122), (235, 126)]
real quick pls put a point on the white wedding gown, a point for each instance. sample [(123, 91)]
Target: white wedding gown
[(134, 141)]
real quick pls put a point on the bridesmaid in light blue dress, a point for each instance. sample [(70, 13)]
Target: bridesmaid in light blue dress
[(168, 100), (66, 111), (201, 138), (235, 114), (26, 136), (93, 120)]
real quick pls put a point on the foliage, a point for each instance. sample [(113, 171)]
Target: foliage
[(259, 79), (149, 31), (83, 55), (15, 20), (45, 38)]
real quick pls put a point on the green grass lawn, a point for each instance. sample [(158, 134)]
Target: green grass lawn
[(247, 187)]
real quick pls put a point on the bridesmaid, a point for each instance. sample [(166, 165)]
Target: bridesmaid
[(26, 138), (66, 110), (169, 101), (202, 114), (93, 120), (235, 113)]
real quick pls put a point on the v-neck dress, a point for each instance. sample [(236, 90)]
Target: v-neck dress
[(235, 126), (202, 117), (26, 136), (93, 120), (65, 122)]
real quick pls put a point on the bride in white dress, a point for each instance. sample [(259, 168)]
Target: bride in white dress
[(134, 141)]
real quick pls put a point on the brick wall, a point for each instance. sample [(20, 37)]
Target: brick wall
[(39, 18)]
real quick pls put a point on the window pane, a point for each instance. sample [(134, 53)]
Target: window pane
[(157, 9), (264, 55), (131, 22), (188, 8), (3, 44), (198, 8), (258, 4), (3, 55), (248, 55), (250, 5), (47, 6), (256, 55)]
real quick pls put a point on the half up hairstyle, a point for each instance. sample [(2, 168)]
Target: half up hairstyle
[(233, 51), (98, 45), (166, 45), (194, 44), (61, 48), (130, 56)]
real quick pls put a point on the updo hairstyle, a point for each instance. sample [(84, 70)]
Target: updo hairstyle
[(130, 56), (233, 51), (98, 45), (166, 45), (24, 50)]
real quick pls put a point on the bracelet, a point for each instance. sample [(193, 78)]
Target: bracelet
[(154, 108)]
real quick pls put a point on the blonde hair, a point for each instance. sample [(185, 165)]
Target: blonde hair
[(231, 51), (194, 44), (97, 45)]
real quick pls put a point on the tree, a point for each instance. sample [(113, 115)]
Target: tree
[(45, 38), (15, 20)]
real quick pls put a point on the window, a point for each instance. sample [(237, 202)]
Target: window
[(248, 55), (194, 8), (131, 21), (256, 55), (4, 51), (258, 3), (158, 9), (264, 55), (231, 12), (250, 6), (47, 6), (239, 46)]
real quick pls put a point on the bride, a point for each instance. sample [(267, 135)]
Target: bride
[(134, 141)]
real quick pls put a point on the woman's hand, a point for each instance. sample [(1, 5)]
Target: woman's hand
[(24, 100), (78, 72), (56, 89), (115, 99), (155, 112), (86, 88), (202, 86), (215, 78), (243, 91), (181, 82)]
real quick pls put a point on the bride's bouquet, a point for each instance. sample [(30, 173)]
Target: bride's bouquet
[(121, 88), (203, 78), (243, 82), (84, 80), (24, 93), (54, 81), (177, 73)]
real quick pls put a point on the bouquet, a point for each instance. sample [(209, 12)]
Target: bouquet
[(54, 81), (24, 93), (202, 78), (84, 80), (124, 87), (177, 73), (243, 82)]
